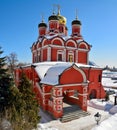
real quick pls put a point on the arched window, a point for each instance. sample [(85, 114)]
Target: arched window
[(70, 56), (60, 55)]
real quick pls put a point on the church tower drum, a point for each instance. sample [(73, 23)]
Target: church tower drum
[(76, 27), (42, 27)]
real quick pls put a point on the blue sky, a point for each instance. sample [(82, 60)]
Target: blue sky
[(19, 21)]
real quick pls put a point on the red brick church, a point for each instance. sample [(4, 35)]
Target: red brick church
[(60, 69)]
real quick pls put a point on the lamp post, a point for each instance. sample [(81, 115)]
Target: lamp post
[(97, 117)]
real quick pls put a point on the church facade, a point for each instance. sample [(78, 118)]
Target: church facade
[(60, 70)]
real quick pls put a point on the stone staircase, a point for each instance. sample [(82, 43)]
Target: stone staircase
[(72, 112)]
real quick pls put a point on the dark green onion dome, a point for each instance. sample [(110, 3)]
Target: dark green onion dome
[(42, 24), (76, 22), (53, 17)]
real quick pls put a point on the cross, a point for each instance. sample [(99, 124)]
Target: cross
[(58, 6)]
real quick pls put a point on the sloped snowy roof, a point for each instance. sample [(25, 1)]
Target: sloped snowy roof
[(52, 36), (52, 75), (49, 71), (42, 68)]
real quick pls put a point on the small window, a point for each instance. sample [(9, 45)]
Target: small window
[(59, 57), (70, 58)]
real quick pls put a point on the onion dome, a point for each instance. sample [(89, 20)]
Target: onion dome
[(42, 25), (62, 19), (53, 17), (76, 21)]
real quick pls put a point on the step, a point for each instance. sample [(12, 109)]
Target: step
[(73, 116)]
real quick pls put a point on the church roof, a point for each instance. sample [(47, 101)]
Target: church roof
[(49, 71), (76, 22)]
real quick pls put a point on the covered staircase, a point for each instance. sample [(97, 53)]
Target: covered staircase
[(72, 112)]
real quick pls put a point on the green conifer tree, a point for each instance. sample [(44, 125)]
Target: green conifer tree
[(5, 84), (28, 104)]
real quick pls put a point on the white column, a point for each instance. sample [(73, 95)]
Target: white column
[(49, 54), (41, 55), (64, 55), (76, 56)]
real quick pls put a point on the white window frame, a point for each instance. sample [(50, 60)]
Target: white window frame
[(59, 52), (69, 54)]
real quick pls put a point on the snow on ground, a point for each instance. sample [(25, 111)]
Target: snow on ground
[(107, 110), (108, 124), (84, 123), (108, 82)]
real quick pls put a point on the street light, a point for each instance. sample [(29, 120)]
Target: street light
[(97, 117)]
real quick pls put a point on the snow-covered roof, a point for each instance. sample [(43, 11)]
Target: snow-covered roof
[(42, 68), (52, 75), (49, 71)]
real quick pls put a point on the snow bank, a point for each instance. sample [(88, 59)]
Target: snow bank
[(97, 103), (108, 82), (43, 127), (113, 110), (108, 106), (108, 124)]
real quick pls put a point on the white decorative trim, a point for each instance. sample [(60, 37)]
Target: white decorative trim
[(59, 102), (60, 52), (44, 101), (56, 98), (84, 94), (82, 72), (61, 41), (64, 55), (85, 101), (49, 54), (56, 46), (66, 85), (72, 42), (76, 56), (41, 54), (71, 48), (71, 53), (44, 46), (59, 107), (85, 50), (54, 92), (83, 44), (59, 92), (43, 42), (34, 51)]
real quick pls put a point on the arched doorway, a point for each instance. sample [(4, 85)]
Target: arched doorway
[(93, 94)]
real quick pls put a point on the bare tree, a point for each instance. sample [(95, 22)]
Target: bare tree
[(12, 62)]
